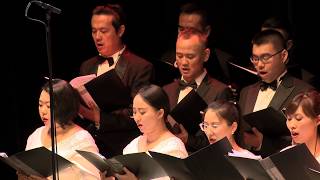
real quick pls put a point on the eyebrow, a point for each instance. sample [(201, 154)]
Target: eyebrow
[(139, 108)]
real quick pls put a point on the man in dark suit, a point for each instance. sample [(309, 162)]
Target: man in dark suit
[(191, 53), (276, 88), (114, 129), (193, 18)]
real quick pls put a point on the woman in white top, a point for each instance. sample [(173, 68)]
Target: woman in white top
[(150, 109), (221, 120), (69, 136), (303, 119)]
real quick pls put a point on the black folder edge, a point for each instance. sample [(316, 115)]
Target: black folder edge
[(269, 122), (18, 165), (141, 164), (102, 163), (113, 88), (249, 168), (295, 159), (30, 164), (205, 160), (279, 165), (187, 111), (192, 166), (312, 174), (174, 167)]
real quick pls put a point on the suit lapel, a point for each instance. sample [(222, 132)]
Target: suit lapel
[(175, 95), (252, 98), (122, 65), (204, 86), (284, 90), (93, 69)]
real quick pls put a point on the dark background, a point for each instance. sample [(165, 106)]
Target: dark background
[(151, 30)]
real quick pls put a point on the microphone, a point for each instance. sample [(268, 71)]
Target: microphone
[(48, 7)]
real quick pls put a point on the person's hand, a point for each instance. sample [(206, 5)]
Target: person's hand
[(33, 177), (183, 135), (92, 113), (23, 176), (127, 176), (254, 140), (103, 176)]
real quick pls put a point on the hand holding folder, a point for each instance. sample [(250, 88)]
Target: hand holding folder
[(35, 162), (269, 122), (207, 163), (106, 92), (187, 111), (140, 164)]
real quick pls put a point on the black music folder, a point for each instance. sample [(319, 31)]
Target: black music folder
[(269, 122), (35, 162), (141, 164), (188, 111), (206, 163), (108, 91), (312, 174), (295, 163)]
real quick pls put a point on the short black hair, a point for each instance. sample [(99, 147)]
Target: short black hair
[(270, 36), (66, 101), (112, 9), (196, 8)]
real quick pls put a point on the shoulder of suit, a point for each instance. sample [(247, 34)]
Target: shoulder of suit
[(131, 57), (90, 61), (171, 85), (297, 83), (216, 83), (301, 84), (254, 85)]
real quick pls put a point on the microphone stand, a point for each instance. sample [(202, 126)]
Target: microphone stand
[(52, 122), (54, 160)]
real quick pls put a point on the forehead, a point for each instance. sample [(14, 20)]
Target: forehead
[(211, 117), (300, 111), (188, 45), (189, 20), (263, 49), (44, 96), (101, 19), (139, 102)]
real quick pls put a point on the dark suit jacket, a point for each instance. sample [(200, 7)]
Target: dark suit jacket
[(117, 129), (210, 90), (286, 91)]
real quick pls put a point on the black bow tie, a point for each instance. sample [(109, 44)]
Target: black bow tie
[(184, 84), (264, 85), (109, 59)]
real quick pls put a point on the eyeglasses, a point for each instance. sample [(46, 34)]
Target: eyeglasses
[(265, 58), (204, 126)]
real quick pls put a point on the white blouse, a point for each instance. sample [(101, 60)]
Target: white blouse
[(81, 140)]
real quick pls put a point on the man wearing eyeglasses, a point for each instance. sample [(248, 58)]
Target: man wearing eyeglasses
[(276, 88)]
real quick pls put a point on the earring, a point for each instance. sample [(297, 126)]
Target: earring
[(175, 64)]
